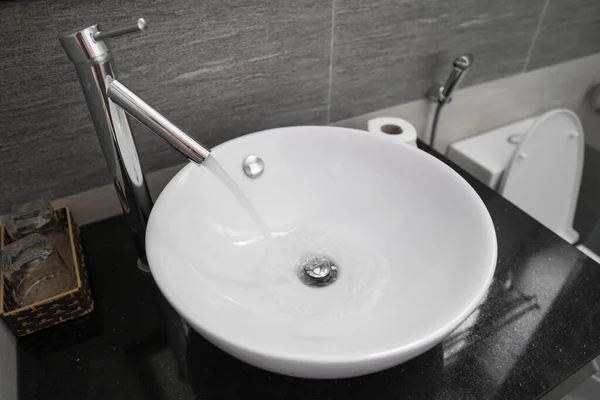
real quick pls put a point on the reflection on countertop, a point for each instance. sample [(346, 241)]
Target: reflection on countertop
[(539, 323)]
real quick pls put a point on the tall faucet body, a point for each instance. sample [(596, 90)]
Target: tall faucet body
[(107, 99)]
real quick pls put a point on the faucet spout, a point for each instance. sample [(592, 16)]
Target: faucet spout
[(156, 122)]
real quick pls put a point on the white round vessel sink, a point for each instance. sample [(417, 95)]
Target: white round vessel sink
[(377, 251)]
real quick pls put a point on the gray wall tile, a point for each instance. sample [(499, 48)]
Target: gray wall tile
[(217, 69), (387, 51), (570, 29), (222, 69)]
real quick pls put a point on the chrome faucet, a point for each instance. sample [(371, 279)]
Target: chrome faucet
[(442, 93), (107, 99)]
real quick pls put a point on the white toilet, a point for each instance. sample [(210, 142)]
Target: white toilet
[(535, 163)]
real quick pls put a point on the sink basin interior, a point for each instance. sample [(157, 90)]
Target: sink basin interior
[(414, 245)]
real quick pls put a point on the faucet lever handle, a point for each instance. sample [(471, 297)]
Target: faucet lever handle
[(139, 26)]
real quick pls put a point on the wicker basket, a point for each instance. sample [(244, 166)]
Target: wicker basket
[(57, 309)]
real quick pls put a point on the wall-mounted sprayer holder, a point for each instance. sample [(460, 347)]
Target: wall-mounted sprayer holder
[(441, 94)]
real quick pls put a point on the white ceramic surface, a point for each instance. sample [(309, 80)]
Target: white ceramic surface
[(415, 246), (486, 156), (544, 175), (541, 174)]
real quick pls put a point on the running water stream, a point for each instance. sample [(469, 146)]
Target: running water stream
[(213, 166)]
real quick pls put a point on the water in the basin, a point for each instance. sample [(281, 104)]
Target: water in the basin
[(213, 166), (266, 282)]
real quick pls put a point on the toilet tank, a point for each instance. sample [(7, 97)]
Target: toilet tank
[(486, 156)]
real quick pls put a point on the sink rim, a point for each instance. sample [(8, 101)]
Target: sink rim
[(358, 356)]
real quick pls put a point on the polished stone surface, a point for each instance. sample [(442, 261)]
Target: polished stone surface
[(8, 362), (539, 323)]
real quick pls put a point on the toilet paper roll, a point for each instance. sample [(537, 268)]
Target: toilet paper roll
[(403, 130)]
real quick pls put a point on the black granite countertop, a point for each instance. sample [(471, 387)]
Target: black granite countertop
[(539, 323)]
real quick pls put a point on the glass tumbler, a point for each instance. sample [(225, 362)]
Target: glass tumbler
[(36, 270), (39, 216)]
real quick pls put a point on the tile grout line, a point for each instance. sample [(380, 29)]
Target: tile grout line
[(535, 36), (329, 94)]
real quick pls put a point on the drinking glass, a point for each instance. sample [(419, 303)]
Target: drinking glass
[(39, 216), (36, 270)]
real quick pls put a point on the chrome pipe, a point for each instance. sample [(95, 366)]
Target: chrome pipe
[(93, 63), (442, 94), (459, 68), (139, 26), (107, 101), (156, 122)]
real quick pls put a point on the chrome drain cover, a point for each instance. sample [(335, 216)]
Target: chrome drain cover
[(317, 271), (253, 166)]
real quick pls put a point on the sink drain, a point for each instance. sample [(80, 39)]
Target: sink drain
[(253, 166), (318, 271)]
